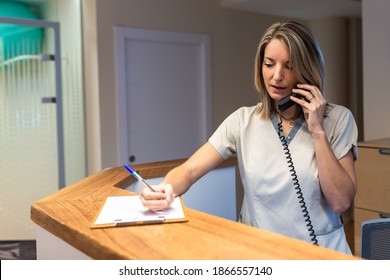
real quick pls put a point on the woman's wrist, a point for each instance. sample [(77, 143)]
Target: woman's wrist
[(319, 134)]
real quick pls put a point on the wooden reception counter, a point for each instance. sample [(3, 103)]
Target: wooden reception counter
[(68, 213)]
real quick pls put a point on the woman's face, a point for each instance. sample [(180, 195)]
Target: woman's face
[(279, 79)]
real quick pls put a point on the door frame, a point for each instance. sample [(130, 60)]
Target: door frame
[(125, 34)]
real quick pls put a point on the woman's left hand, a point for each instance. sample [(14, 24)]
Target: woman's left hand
[(313, 105)]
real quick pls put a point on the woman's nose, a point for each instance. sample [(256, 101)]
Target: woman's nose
[(278, 74)]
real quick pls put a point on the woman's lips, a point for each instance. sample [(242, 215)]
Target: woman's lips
[(278, 89)]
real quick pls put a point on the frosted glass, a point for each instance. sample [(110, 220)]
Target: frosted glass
[(73, 119), (28, 127), (28, 141)]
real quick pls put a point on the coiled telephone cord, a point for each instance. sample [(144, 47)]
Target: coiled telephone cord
[(297, 186)]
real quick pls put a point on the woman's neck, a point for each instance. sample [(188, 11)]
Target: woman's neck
[(291, 113)]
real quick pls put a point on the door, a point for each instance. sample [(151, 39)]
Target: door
[(163, 82), (31, 137)]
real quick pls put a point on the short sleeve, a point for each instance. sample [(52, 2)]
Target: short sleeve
[(225, 138), (342, 131)]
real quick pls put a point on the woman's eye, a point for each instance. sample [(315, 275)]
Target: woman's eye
[(268, 65)]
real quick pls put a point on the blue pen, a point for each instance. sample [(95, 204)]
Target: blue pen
[(139, 178)]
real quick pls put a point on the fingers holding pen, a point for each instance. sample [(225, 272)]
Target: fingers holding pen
[(161, 199)]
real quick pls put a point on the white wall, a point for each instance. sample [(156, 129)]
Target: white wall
[(376, 68), (331, 33), (234, 39)]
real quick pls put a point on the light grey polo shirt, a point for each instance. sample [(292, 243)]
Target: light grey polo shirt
[(270, 199)]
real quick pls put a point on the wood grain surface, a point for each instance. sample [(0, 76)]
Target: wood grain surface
[(69, 212)]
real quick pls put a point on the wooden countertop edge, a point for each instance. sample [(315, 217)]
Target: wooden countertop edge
[(93, 248), (87, 242), (83, 242)]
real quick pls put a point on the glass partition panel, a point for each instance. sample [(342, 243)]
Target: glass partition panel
[(31, 138)]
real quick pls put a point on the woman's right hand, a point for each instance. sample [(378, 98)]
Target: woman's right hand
[(159, 200)]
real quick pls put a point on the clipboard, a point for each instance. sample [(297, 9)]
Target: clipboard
[(118, 211)]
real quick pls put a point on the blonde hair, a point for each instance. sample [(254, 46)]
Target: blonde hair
[(306, 59)]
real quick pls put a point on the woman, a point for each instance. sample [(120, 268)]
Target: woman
[(296, 165)]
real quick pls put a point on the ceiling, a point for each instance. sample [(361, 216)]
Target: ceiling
[(298, 9)]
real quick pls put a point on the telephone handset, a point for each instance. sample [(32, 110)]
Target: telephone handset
[(284, 104), (286, 101)]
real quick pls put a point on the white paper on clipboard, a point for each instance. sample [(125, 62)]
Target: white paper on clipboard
[(128, 210)]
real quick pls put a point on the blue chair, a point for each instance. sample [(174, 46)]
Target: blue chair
[(375, 239)]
